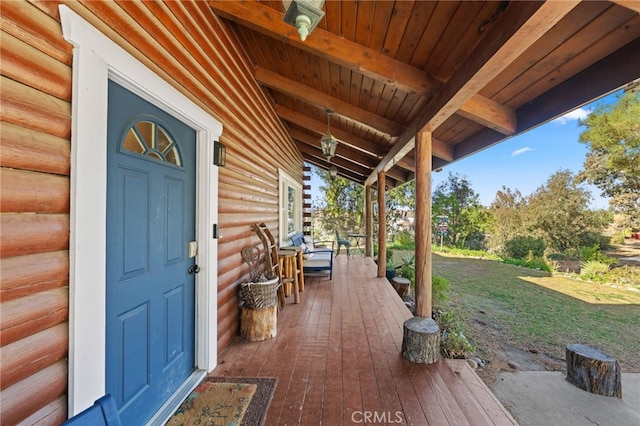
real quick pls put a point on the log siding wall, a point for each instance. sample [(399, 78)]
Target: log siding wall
[(189, 47)]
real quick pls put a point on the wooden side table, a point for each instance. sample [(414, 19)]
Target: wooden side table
[(401, 285), (288, 259), (300, 265)]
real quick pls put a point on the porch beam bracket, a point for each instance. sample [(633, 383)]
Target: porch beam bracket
[(490, 114)]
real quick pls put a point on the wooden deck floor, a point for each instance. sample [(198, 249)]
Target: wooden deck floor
[(337, 359)]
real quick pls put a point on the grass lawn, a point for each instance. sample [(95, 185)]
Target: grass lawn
[(506, 306)]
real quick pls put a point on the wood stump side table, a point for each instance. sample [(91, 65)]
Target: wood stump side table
[(401, 285), (594, 371)]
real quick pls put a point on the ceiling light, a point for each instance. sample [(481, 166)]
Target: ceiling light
[(328, 143), (303, 14), (333, 172)]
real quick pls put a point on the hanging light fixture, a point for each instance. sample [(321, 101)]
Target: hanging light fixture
[(333, 172), (303, 14), (328, 143)]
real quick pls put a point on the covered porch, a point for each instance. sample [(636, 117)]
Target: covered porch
[(337, 359)]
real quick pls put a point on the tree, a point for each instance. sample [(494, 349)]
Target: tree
[(558, 212), (613, 163), (508, 211), (343, 203), (399, 199), (456, 200)]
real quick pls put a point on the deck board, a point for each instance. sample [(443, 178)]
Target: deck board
[(337, 357)]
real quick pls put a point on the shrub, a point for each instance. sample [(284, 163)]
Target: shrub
[(590, 239), (521, 247), (593, 253), (408, 267), (447, 320), (454, 344), (533, 263), (557, 256), (404, 239), (618, 238), (439, 288), (625, 275), (593, 269), (408, 272), (475, 241)]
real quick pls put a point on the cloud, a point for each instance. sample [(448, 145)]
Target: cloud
[(521, 151), (576, 114)]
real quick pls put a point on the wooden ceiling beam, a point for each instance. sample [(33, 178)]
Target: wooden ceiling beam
[(320, 128), (440, 149), (328, 45), (319, 162), (343, 52), (324, 101), (490, 114), (629, 4), (359, 58), (519, 28)]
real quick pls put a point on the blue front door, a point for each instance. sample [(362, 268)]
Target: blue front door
[(150, 222)]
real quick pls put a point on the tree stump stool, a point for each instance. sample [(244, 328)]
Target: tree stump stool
[(421, 340), (592, 370), (259, 324), (401, 285)]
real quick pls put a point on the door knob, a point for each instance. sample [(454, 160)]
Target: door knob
[(194, 269)]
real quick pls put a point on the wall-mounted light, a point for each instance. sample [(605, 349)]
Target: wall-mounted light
[(328, 143), (333, 172), (303, 14), (219, 154)]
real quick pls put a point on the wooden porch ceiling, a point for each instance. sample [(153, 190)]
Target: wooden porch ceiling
[(473, 73)]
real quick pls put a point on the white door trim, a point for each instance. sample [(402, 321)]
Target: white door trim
[(96, 59)]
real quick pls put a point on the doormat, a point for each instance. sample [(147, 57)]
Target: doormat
[(226, 401)]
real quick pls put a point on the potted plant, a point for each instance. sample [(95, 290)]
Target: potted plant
[(391, 265)]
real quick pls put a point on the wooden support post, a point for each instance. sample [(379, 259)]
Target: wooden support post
[(382, 227), (368, 221), (423, 225), (594, 371), (421, 340)]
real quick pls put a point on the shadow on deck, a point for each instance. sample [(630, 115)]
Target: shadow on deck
[(337, 360)]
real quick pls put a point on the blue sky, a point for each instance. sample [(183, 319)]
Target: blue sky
[(524, 162)]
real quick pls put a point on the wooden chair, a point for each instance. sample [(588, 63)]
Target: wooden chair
[(271, 259), (102, 413)]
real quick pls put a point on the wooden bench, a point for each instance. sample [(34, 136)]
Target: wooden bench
[(318, 256)]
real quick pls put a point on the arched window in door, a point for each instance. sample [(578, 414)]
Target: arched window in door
[(149, 139)]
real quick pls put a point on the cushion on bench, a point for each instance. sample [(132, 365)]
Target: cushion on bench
[(318, 259)]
